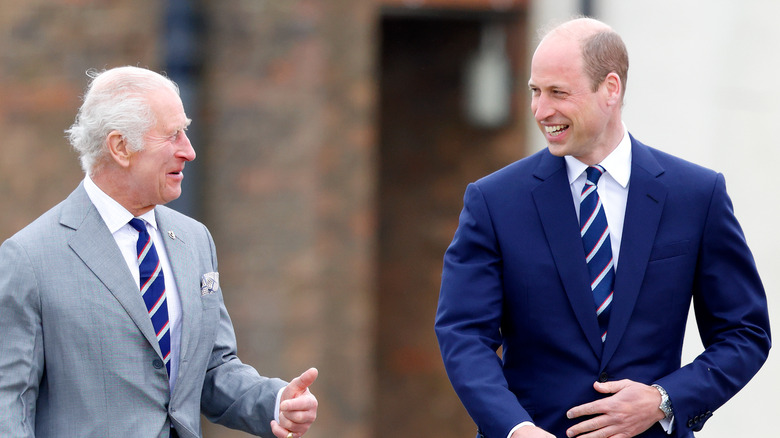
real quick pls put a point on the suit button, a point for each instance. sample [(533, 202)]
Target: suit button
[(603, 377), (157, 363)]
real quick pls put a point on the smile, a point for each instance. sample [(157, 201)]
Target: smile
[(555, 130)]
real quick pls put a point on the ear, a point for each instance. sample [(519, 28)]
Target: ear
[(118, 148), (613, 88)]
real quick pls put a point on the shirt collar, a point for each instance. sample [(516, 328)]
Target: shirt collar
[(114, 215), (617, 163)]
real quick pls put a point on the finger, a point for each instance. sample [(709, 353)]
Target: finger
[(590, 425), (611, 387), (304, 402), (299, 413), (277, 430), (285, 427), (591, 408), (298, 418), (299, 384)]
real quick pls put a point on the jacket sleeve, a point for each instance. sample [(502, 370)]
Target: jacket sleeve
[(468, 321), (21, 344), (731, 313)]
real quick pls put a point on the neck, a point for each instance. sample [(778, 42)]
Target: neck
[(609, 141), (114, 185)]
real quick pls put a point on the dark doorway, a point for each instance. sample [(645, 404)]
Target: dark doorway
[(429, 151)]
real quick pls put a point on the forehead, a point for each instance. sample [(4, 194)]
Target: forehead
[(557, 61), (167, 107)]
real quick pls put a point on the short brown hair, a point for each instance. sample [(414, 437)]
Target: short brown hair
[(603, 53)]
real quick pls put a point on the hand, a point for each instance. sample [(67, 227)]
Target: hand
[(531, 432), (298, 407), (632, 409)]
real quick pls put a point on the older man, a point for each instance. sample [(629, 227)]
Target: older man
[(113, 323), (582, 260)]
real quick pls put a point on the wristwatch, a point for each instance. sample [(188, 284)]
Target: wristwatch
[(666, 404)]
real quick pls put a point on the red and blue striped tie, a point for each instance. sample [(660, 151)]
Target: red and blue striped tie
[(598, 248), (153, 289)]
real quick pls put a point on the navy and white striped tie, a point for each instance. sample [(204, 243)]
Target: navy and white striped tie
[(598, 248), (153, 289)]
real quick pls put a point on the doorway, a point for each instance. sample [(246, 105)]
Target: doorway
[(429, 150)]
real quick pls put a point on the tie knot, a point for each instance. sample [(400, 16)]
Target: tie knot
[(138, 224), (594, 173)]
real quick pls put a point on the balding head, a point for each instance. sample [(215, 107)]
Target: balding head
[(578, 28), (602, 49)]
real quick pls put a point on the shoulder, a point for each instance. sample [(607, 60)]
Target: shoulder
[(666, 160), (170, 216), (170, 220), (670, 169), (522, 172), (43, 229)]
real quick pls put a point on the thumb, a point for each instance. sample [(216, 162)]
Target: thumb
[(610, 387), (300, 384)]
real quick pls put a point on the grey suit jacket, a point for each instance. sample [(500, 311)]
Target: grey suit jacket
[(78, 354)]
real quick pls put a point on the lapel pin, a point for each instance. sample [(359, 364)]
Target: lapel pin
[(172, 235)]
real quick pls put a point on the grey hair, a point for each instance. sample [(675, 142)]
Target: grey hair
[(115, 100)]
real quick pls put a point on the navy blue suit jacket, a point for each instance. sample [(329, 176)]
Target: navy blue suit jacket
[(515, 277)]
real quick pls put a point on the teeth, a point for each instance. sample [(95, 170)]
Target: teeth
[(555, 129)]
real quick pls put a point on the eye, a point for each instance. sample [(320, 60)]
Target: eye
[(176, 135)]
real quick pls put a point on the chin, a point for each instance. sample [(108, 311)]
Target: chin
[(557, 150), (171, 197)]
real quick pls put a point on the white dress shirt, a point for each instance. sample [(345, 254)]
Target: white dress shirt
[(116, 218)]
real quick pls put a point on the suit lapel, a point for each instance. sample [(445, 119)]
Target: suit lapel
[(556, 210), (182, 261), (96, 247), (646, 197)]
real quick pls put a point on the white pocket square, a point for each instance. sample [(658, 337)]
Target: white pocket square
[(209, 283)]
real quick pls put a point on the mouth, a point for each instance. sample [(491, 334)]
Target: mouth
[(555, 130)]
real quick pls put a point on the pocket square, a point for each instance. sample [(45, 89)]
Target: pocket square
[(209, 283)]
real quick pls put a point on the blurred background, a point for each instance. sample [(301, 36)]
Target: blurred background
[(335, 139)]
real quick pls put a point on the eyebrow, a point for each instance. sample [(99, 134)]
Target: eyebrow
[(548, 87)]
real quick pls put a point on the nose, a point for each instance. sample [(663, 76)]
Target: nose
[(540, 106), (186, 151)]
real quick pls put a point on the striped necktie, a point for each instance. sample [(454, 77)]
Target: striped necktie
[(598, 248), (153, 289)]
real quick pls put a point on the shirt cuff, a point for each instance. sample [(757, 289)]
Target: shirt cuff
[(667, 424), (278, 403), (514, 429)]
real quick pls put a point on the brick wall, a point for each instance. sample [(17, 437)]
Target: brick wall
[(285, 157), (45, 49), (289, 192), (288, 182)]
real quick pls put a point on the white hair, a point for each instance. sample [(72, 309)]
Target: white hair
[(115, 100)]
